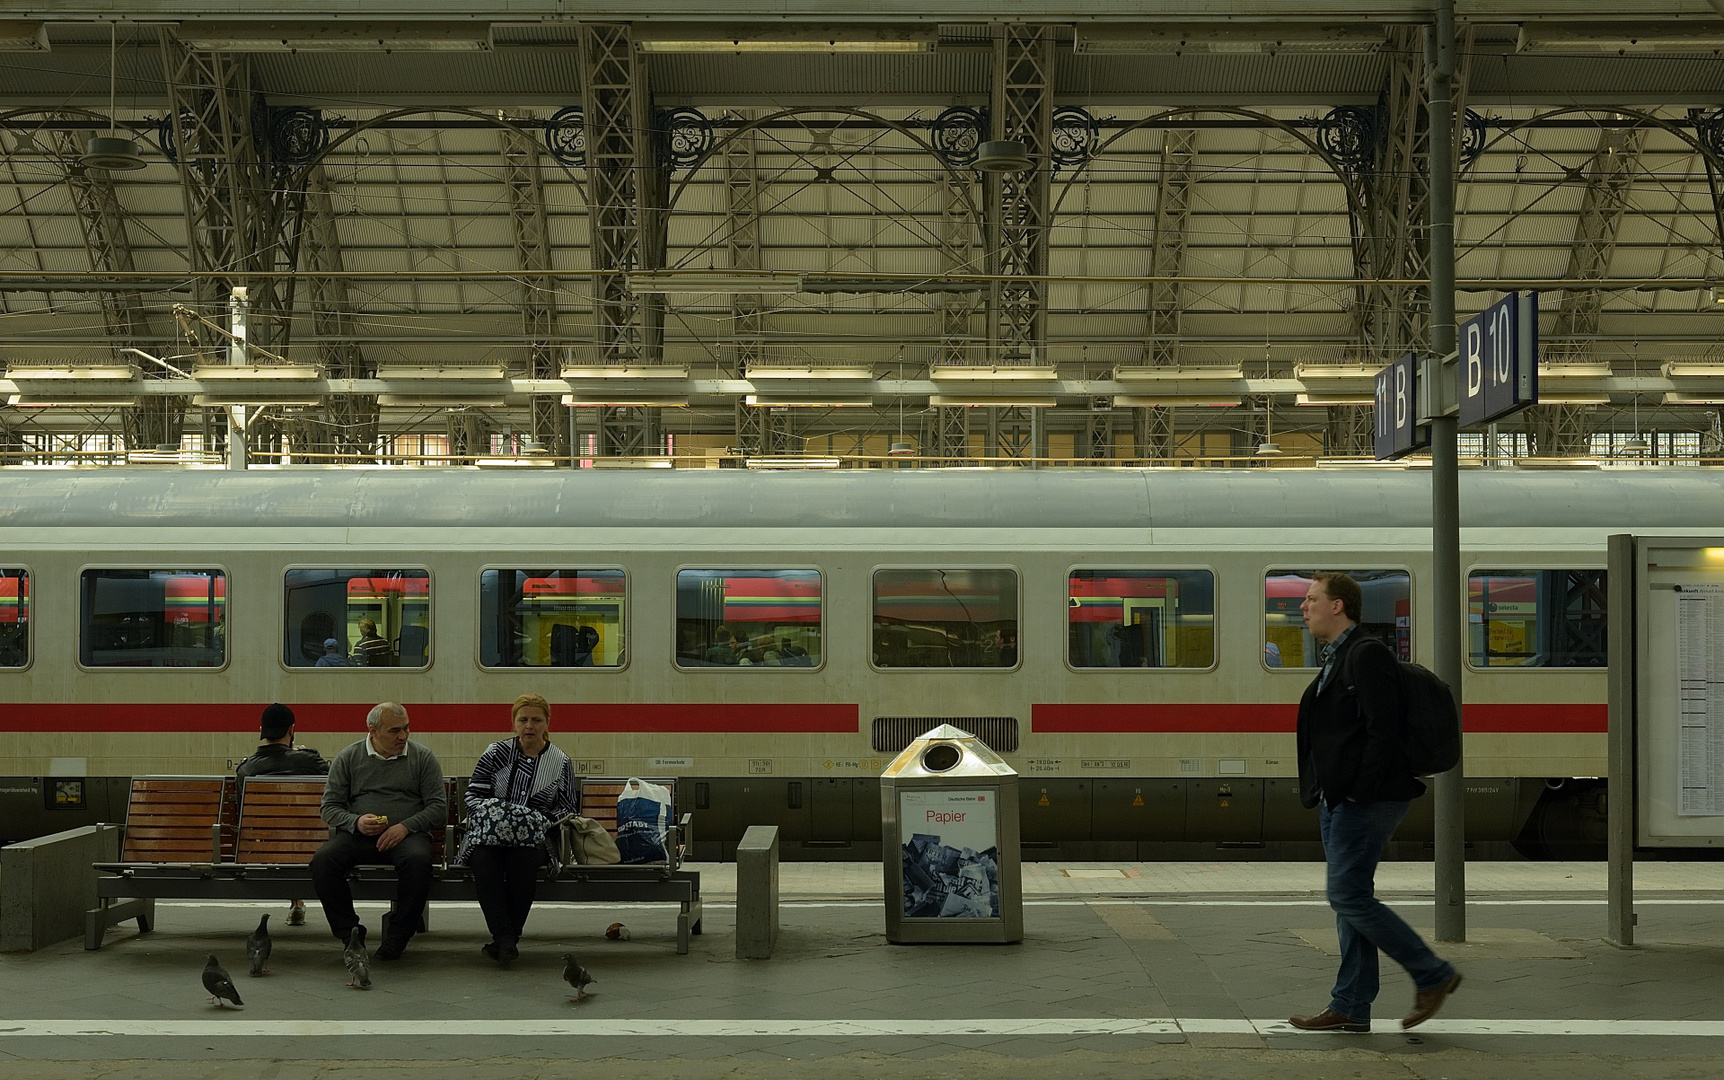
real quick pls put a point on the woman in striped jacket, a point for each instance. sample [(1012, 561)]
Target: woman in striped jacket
[(519, 788)]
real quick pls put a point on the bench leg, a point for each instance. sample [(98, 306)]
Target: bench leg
[(110, 912)]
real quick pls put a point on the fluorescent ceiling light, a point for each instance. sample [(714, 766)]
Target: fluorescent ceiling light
[(793, 463), (943, 372), (257, 396), (1674, 369), (1229, 38), (1009, 401), (761, 372), (320, 35), (1572, 38), (623, 400), (737, 283), (1326, 398), (256, 372), (1168, 401), (781, 38), (32, 401), (19, 36), (626, 371), (824, 402), (1172, 373), (71, 374), (454, 373), (632, 463), (443, 401)]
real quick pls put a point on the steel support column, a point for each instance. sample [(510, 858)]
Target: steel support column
[(1446, 586), (527, 219), (625, 204), (345, 424), (1022, 112), (1153, 425), (1561, 430), (1391, 240)]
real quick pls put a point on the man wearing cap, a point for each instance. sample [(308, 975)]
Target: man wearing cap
[(332, 656), (277, 756)]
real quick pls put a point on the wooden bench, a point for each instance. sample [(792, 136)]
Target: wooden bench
[(173, 824), (278, 829)]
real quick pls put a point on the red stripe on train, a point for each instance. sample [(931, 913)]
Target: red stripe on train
[(429, 718), (1180, 718)]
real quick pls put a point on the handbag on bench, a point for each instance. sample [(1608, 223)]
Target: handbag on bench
[(587, 842)]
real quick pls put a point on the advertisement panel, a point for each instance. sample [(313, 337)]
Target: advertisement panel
[(951, 862)]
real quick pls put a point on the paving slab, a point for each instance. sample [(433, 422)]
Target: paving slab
[(1154, 970)]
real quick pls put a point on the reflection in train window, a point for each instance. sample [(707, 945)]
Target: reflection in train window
[(1536, 618), (551, 618), (1141, 618), (153, 618), (945, 618), (14, 618), (748, 618), (357, 618), (1386, 614)]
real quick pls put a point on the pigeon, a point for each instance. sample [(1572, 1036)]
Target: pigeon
[(257, 947), (617, 932), (358, 961), (576, 976), (218, 984)]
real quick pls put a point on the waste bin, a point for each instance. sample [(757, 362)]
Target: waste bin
[(949, 822)]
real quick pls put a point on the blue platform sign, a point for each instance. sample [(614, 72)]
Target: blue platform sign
[(1398, 431), (1498, 360)]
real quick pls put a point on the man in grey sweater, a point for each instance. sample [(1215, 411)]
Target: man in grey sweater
[(383, 797)]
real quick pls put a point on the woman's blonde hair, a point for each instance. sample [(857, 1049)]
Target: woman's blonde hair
[(526, 701)]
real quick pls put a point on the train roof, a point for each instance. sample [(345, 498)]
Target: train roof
[(1640, 499)]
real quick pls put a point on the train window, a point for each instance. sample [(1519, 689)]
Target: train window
[(153, 618), (748, 618), (551, 618), (1387, 614), (945, 618), (1141, 618), (1536, 618), (14, 618), (357, 618)]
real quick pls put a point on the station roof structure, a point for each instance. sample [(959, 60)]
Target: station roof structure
[(608, 228)]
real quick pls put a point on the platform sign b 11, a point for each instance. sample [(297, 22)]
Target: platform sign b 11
[(1397, 431), (1498, 360)]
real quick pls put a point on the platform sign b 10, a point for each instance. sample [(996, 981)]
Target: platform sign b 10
[(1397, 431), (1498, 359)]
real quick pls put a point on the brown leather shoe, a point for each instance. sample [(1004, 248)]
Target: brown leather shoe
[(1427, 1002), (1329, 1020)]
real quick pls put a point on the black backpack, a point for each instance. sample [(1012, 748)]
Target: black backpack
[(1430, 723)]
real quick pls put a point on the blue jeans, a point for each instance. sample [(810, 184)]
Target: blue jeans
[(1353, 837)]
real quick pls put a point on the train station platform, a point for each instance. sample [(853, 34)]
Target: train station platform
[(1126, 970)]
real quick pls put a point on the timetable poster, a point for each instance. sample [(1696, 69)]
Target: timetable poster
[(951, 863), (1700, 699)]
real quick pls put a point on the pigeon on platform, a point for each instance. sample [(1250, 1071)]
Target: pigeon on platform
[(258, 946), (358, 961), (218, 984), (576, 976)]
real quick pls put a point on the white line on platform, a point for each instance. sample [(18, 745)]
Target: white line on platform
[(1110, 901), (237, 1025)]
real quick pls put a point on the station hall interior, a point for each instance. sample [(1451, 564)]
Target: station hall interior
[(768, 384)]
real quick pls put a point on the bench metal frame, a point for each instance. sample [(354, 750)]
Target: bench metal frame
[(127, 891)]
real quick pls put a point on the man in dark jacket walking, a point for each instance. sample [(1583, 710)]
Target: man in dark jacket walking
[(1353, 769)]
